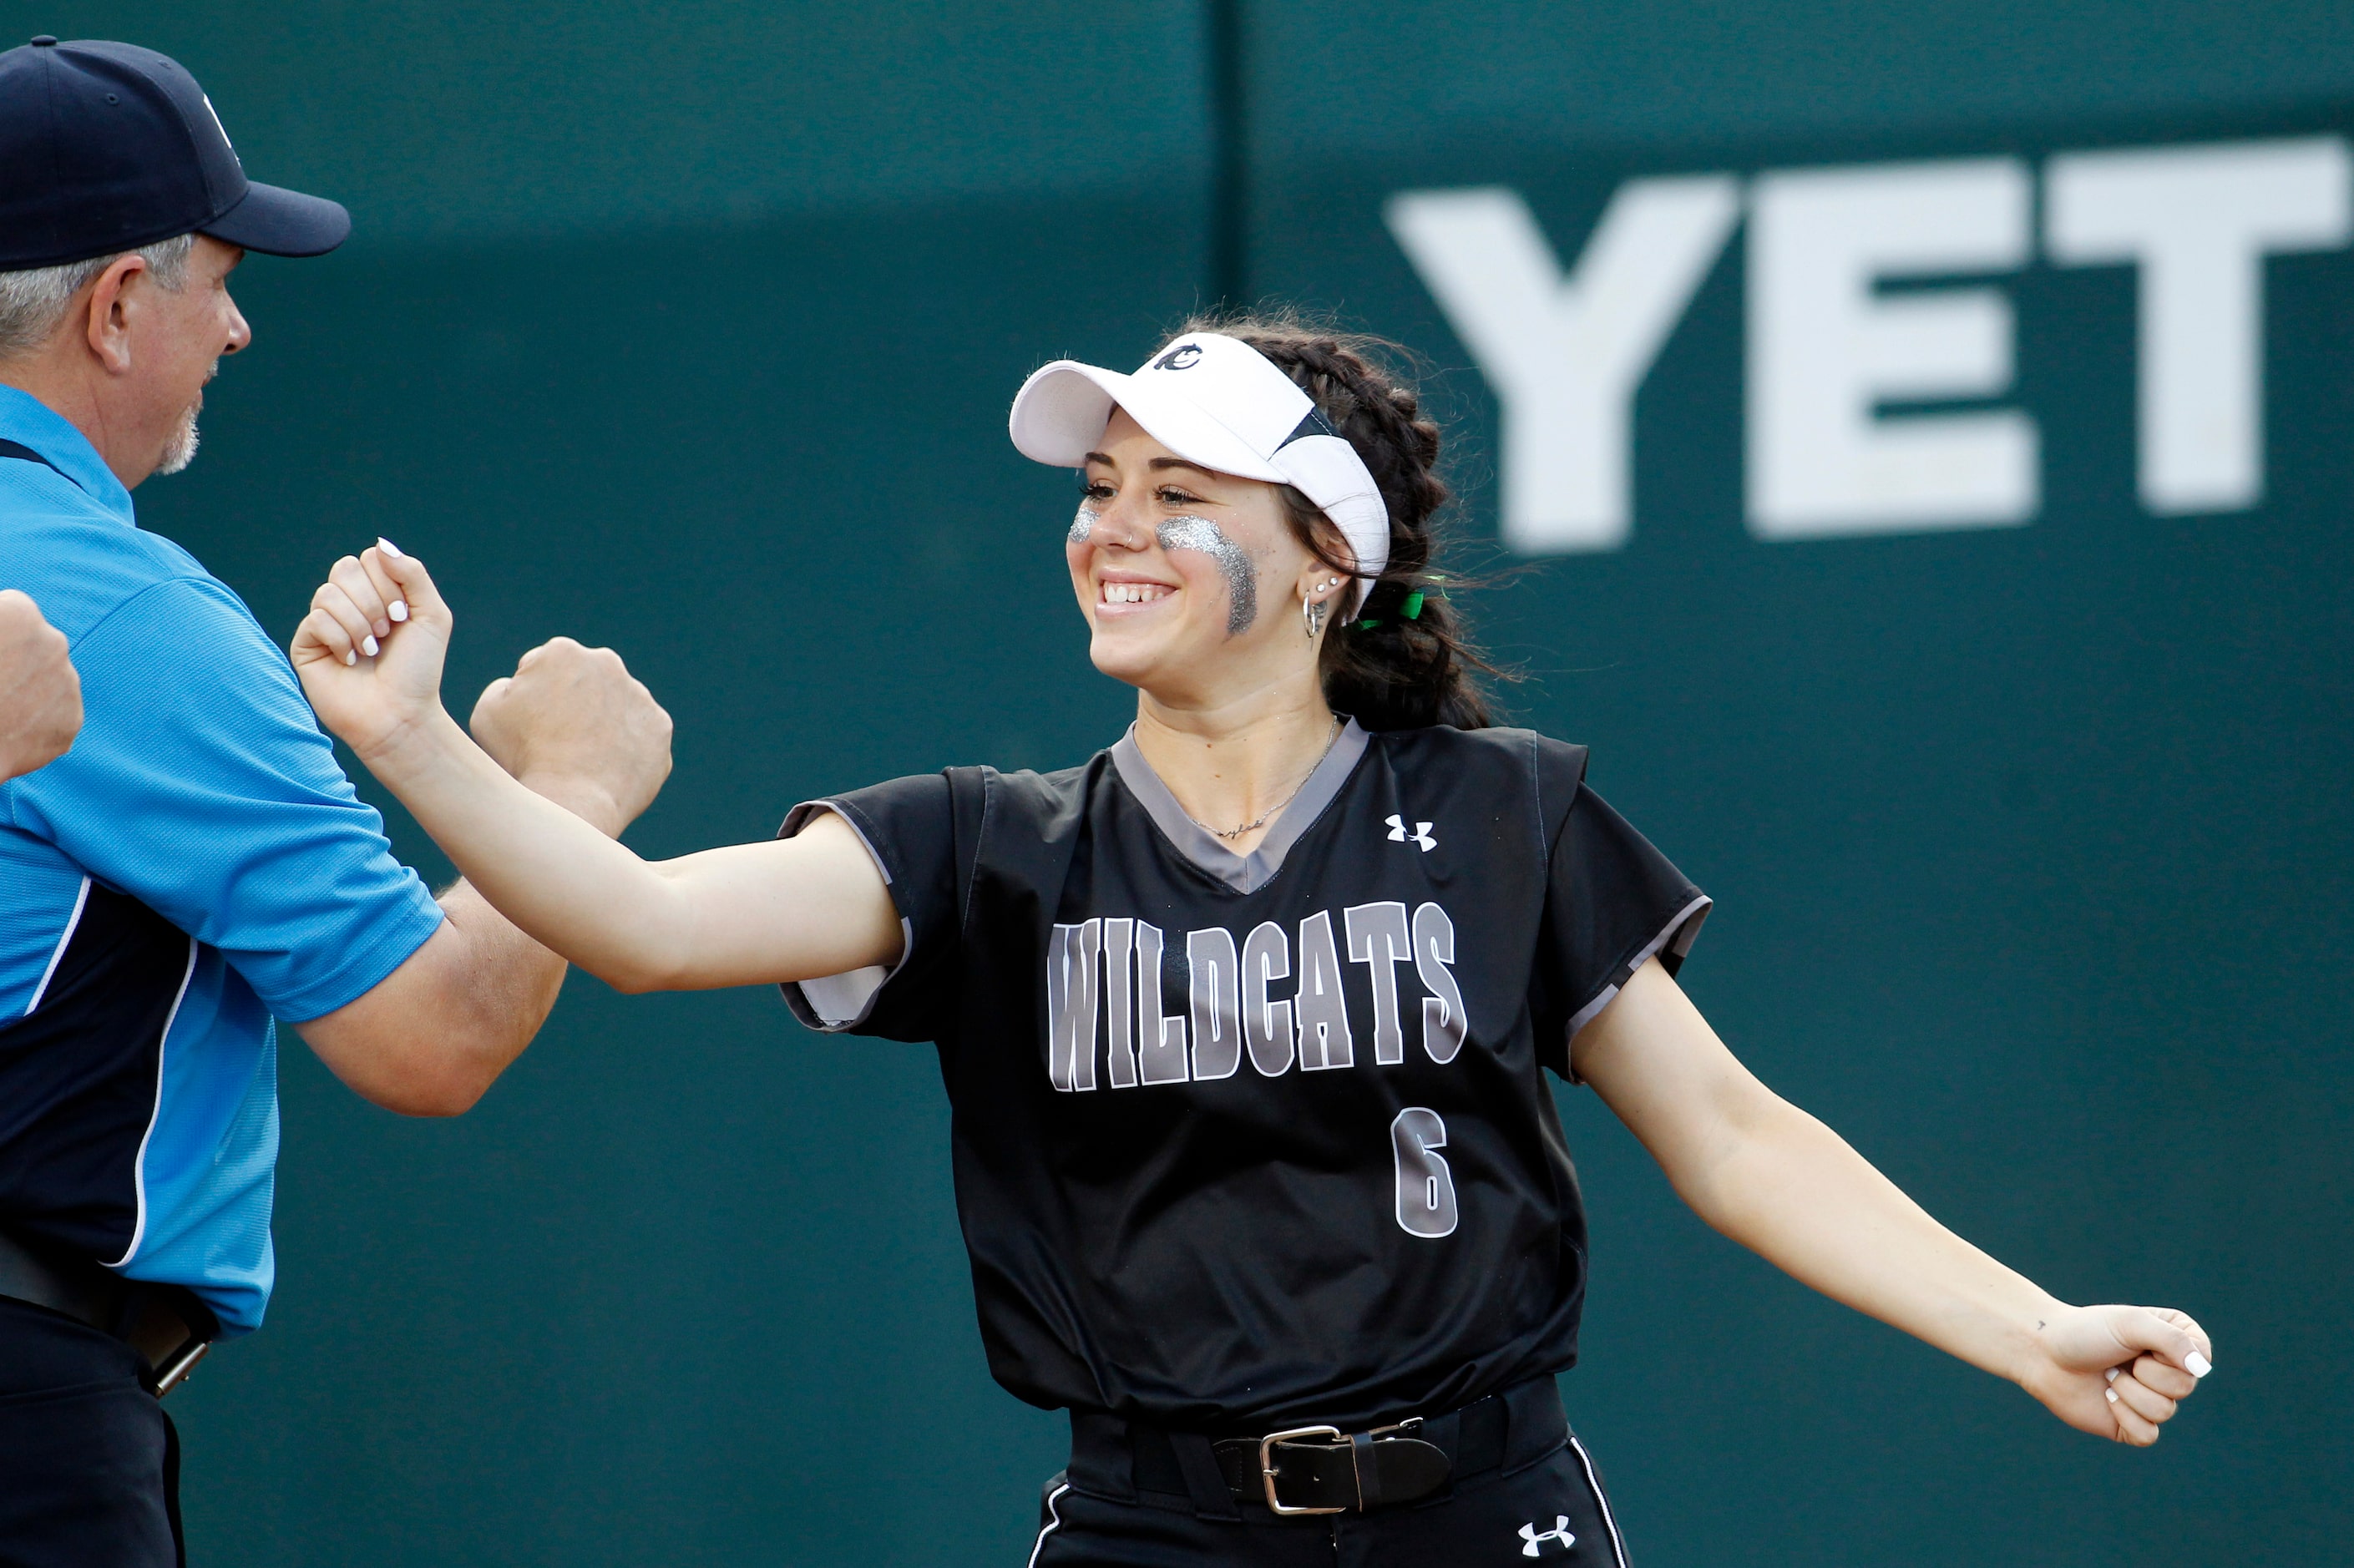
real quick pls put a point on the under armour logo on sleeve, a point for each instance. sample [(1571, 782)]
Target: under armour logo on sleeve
[(1558, 1533), (1421, 834)]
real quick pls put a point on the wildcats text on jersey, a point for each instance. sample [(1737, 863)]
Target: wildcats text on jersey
[(1244, 1002)]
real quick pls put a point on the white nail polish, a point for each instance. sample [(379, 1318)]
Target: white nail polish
[(2197, 1364), (367, 646), (351, 659), (2112, 1394), (400, 609), (2111, 1375), (387, 546)]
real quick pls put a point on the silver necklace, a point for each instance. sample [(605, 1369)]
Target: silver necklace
[(1223, 833)]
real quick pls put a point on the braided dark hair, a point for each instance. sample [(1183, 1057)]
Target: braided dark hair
[(1402, 661)]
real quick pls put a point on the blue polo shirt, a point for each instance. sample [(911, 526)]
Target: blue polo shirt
[(196, 864)]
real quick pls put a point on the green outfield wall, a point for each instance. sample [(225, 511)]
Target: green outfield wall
[(2017, 765)]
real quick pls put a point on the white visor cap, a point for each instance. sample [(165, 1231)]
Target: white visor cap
[(1217, 401)]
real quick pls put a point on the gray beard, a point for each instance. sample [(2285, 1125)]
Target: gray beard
[(181, 450)]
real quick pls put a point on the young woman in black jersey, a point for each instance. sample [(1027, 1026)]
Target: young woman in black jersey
[(1242, 1020)]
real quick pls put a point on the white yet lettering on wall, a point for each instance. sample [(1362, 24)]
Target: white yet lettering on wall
[(1830, 343), (2199, 222)]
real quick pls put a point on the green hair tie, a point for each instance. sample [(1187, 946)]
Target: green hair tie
[(1410, 610)]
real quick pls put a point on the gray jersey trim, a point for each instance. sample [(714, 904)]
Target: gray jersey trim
[(1678, 938), (1244, 874)]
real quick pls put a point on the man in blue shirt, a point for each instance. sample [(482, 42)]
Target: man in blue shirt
[(40, 697), (196, 863)]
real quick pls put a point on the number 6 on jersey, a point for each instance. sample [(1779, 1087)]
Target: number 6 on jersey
[(1426, 1188)]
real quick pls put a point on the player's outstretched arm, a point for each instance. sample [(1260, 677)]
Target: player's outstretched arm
[(811, 905), (1785, 1186)]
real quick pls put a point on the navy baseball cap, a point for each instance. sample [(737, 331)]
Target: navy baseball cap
[(107, 147)]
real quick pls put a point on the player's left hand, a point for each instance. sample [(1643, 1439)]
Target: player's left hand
[(2118, 1371), (369, 653)]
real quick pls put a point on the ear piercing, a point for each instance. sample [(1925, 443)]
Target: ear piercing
[(1313, 610)]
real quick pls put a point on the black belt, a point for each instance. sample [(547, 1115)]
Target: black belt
[(1317, 1469), (169, 1328), (1322, 1469)]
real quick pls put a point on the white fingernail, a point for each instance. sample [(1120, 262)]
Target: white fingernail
[(387, 546), (2111, 1375), (367, 646), (351, 659), (2197, 1364), (400, 610), (2112, 1394)]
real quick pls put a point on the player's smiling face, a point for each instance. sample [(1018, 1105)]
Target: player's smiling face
[(1190, 579)]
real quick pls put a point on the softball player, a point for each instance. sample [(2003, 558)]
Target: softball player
[(1242, 1019)]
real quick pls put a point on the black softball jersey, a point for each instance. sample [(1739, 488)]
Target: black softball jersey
[(1244, 1141)]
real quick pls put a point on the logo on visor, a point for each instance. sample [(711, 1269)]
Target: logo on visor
[(1184, 356)]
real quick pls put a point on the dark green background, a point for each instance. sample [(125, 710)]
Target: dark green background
[(689, 328)]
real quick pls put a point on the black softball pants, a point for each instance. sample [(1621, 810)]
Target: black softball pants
[(1544, 1501), (89, 1462)]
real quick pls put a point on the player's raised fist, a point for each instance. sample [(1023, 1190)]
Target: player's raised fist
[(575, 712), (40, 695), (370, 650), (2120, 1371)]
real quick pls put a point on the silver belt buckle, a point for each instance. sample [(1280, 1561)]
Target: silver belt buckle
[(1266, 1464)]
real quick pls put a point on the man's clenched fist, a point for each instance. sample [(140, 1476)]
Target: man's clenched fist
[(40, 695), (570, 712)]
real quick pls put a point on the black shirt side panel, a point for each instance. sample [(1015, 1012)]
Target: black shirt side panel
[(78, 1077), (1030, 839), (1557, 774)]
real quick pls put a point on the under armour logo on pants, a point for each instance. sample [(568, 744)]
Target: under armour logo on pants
[(1560, 1532)]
